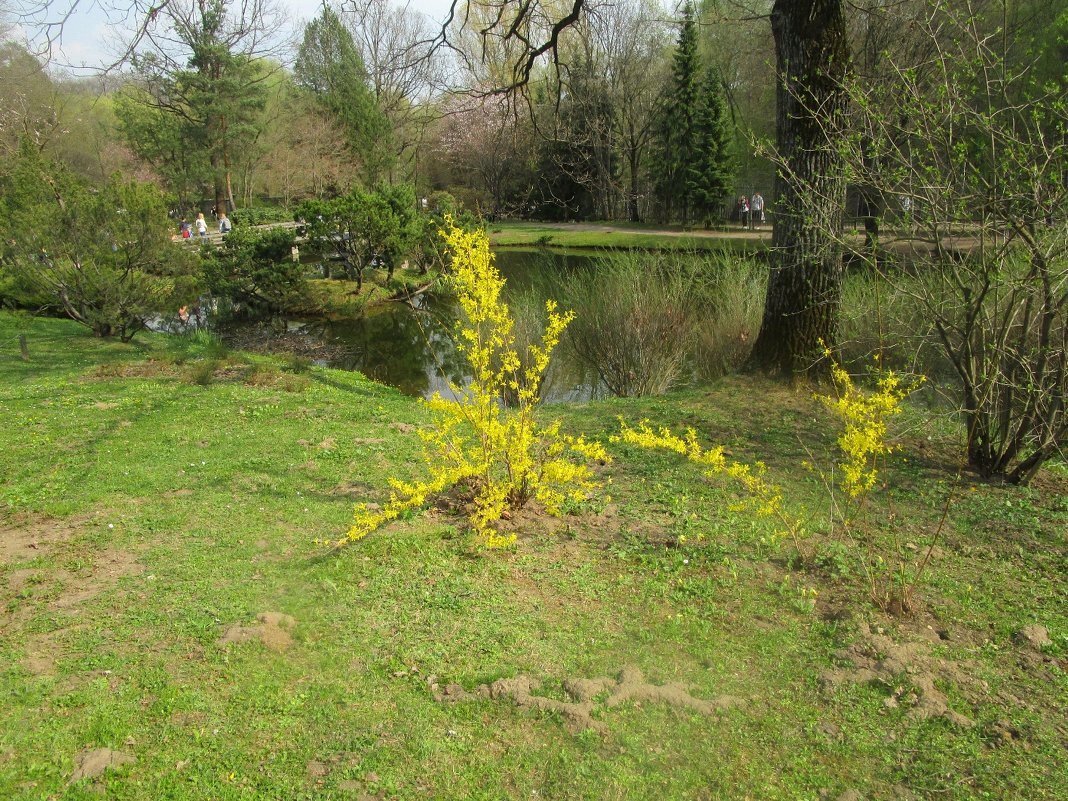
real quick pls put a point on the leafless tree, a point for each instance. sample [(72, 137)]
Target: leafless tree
[(974, 158), (29, 103)]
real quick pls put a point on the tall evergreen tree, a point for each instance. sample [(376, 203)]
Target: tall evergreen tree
[(692, 161), (329, 66), (675, 153), (713, 169)]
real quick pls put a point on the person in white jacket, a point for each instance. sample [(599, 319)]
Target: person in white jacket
[(758, 209)]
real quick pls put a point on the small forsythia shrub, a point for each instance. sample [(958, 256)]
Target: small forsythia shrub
[(863, 439), (864, 418), (500, 449)]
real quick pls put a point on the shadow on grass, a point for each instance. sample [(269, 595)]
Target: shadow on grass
[(353, 389)]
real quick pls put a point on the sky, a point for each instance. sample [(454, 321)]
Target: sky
[(94, 32)]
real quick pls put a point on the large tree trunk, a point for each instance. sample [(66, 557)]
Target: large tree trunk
[(220, 180), (635, 168), (804, 287)]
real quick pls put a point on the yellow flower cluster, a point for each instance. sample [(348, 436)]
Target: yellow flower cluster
[(865, 417), (506, 455), (762, 497)]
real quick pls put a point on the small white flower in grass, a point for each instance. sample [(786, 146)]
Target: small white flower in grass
[(686, 561), (111, 525)]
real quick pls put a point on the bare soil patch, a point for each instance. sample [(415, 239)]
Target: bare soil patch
[(587, 696), (92, 762), (150, 368), (356, 490), (20, 582), (272, 629), (25, 537), (908, 668), (108, 567), (263, 339), (42, 654)]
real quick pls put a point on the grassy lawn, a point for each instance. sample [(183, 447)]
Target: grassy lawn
[(633, 236), (155, 498), (340, 297)]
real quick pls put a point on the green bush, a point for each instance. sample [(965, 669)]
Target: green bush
[(201, 373), (255, 269), (366, 229), (101, 254)]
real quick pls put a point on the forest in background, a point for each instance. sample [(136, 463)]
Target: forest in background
[(641, 106)]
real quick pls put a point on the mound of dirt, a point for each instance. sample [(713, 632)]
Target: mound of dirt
[(272, 629), (875, 657), (585, 695), (92, 762)]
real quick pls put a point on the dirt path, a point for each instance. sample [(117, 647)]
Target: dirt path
[(764, 232)]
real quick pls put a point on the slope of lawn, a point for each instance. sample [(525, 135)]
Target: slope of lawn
[(155, 498)]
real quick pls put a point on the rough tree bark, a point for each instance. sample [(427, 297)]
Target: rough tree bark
[(804, 287)]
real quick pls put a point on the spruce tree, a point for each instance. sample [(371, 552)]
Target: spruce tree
[(329, 65), (675, 155), (713, 168), (692, 162)]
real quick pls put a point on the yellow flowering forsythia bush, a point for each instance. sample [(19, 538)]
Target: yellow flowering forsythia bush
[(864, 418), (501, 450), (862, 442), (863, 439)]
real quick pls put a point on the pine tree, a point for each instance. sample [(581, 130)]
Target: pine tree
[(206, 85), (675, 155), (714, 160), (692, 161)]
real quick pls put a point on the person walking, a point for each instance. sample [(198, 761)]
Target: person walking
[(224, 223), (743, 211), (758, 209), (202, 226)]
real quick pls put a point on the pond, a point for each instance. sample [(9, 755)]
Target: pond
[(410, 347)]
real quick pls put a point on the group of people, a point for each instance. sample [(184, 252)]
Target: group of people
[(751, 211), (185, 229)]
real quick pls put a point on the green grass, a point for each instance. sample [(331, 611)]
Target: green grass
[(338, 297), (628, 236), (166, 510)]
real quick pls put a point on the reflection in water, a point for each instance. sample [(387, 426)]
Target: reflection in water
[(406, 347), (411, 347)]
